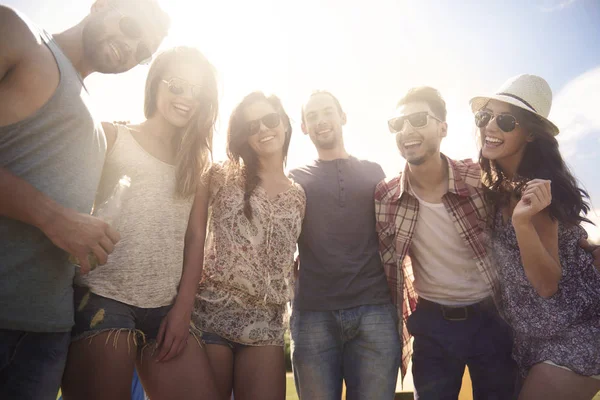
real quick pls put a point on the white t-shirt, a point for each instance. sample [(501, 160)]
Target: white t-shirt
[(444, 267)]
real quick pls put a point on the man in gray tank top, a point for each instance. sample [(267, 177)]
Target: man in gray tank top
[(343, 324), (51, 155)]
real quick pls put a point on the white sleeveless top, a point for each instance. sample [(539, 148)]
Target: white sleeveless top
[(145, 268)]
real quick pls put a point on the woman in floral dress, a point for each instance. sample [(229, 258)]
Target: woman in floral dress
[(255, 219), (550, 289)]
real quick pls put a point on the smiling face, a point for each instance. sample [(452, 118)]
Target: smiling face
[(269, 136), (115, 42), (417, 145), (177, 99), (506, 148), (323, 121)]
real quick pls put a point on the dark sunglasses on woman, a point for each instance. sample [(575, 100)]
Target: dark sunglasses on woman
[(178, 86), (416, 120), (506, 122), (270, 121)]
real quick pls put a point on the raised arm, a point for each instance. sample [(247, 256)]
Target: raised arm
[(537, 236), (174, 329)]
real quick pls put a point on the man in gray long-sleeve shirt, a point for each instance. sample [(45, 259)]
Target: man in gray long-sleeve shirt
[(343, 325)]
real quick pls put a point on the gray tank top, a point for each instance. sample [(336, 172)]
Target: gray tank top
[(60, 151)]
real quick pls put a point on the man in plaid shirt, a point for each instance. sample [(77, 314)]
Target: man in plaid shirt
[(431, 222)]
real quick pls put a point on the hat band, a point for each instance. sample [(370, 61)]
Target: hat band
[(518, 98)]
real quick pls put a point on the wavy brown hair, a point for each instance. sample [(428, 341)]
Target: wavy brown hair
[(194, 141), (243, 158), (541, 160)]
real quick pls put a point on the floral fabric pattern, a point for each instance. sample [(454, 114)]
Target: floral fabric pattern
[(564, 328), (248, 264)]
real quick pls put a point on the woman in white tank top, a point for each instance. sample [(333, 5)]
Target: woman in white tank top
[(135, 311)]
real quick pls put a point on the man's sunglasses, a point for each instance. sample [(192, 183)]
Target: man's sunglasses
[(416, 120), (132, 29), (178, 86), (270, 121), (506, 122)]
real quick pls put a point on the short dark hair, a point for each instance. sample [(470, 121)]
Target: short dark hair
[(427, 95), (157, 18), (325, 92)]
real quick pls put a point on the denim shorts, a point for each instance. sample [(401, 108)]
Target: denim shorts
[(213, 338), (95, 314)]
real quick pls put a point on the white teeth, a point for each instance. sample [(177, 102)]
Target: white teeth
[(412, 143), (115, 51), (493, 140), (266, 139), (181, 107)]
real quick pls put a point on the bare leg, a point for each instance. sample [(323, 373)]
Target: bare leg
[(259, 373), (188, 376), (220, 358), (100, 367), (548, 382)]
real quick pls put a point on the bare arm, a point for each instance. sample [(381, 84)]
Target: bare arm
[(173, 332), (537, 236), (10, 52)]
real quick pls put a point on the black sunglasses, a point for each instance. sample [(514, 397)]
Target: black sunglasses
[(416, 120), (178, 86), (270, 121), (506, 122), (132, 29)]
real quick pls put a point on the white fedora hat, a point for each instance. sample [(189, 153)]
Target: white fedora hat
[(529, 92)]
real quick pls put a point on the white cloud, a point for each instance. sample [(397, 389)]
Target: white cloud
[(554, 5), (575, 110), (593, 230)]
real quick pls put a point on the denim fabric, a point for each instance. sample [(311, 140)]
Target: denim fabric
[(94, 314), (213, 338), (359, 345), (442, 348), (32, 364)]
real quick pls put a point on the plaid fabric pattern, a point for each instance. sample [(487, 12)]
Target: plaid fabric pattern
[(397, 210)]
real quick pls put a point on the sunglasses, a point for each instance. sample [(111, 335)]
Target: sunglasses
[(270, 121), (416, 120), (132, 29), (178, 86), (506, 122)]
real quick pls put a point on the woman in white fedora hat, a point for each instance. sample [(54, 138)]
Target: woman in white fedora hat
[(550, 289)]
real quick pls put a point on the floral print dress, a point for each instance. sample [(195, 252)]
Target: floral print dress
[(248, 274), (563, 329)]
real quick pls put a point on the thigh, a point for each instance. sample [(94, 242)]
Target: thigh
[(33, 364), (100, 367), (317, 354), (220, 358), (259, 373), (187, 376), (372, 357), (493, 371), (436, 368), (549, 382)]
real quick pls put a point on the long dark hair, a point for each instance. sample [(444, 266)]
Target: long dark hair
[(541, 160), (242, 156), (194, 141)]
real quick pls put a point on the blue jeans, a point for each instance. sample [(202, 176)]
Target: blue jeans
[(359, 345), (32, 364), (446, 339)]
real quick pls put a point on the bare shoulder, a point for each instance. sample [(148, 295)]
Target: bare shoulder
[(16, 38), (110, 131)]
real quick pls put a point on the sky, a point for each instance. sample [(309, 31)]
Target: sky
[(368, 54)]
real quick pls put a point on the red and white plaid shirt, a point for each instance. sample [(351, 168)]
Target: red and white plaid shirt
[(397, 211)]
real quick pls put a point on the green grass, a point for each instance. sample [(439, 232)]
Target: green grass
[(290, 388)]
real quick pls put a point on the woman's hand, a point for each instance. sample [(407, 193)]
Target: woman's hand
[(536, 197), (173, 334)]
